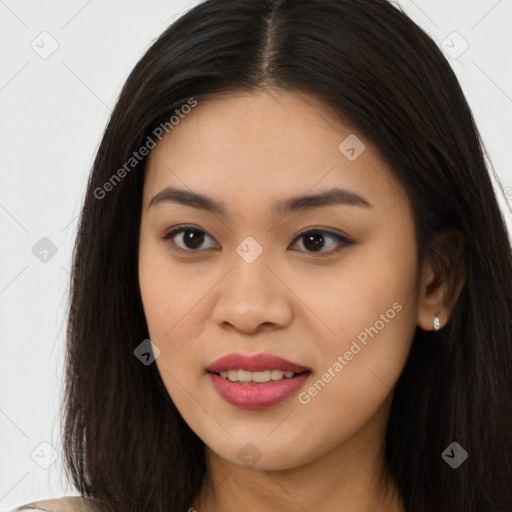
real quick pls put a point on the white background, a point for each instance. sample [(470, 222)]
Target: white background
[(53, 112)]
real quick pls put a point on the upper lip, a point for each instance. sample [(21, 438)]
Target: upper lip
[(255, 363)]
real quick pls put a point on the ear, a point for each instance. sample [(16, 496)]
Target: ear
[(442, 277)]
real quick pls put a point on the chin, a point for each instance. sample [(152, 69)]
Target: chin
[(263, 455)]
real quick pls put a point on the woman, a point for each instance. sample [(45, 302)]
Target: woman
[(291, 286)]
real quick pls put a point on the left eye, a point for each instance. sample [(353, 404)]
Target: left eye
[(314, 240)]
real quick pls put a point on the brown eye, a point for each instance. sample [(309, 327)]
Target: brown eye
[(191, 241), (315, 240), (319, 241)]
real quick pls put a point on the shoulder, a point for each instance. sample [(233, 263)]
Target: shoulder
[(64, 504)]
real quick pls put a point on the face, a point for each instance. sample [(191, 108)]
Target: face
[(328, 284)]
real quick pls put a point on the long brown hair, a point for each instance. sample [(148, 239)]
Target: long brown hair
[(125, 443)]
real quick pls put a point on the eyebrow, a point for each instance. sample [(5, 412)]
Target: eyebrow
[(335, 196)]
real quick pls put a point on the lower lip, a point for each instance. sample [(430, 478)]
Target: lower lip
[(257, 396)]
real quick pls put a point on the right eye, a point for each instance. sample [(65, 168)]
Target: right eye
[(191, 240)]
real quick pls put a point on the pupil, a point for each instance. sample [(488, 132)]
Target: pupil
[(193, 238), (314, 244)]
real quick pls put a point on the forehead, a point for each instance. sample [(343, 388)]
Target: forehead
[(251, 122), (255, 146)]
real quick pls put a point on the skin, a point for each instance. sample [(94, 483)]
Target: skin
[(250, 151)]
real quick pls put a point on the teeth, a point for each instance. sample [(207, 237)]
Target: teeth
[(276, 374), (261, 376), (232, 375), (245, 376)]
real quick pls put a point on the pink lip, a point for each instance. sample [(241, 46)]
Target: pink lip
[(256, 396), (256, 363)]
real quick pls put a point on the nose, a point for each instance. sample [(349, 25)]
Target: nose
[(254, 298)]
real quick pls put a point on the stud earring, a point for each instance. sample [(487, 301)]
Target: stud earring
[(437, 323)]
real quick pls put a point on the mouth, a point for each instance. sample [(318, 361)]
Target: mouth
[(256, 382)]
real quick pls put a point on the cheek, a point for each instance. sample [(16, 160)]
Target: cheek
[(368, 310), (168, 290), (154, 288), (172, 295)]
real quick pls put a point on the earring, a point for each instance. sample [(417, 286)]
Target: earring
[(437, 323)]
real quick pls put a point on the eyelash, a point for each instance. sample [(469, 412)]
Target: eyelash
[(342, 240)]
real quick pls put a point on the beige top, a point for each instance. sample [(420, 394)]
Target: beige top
[(64, 504)]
